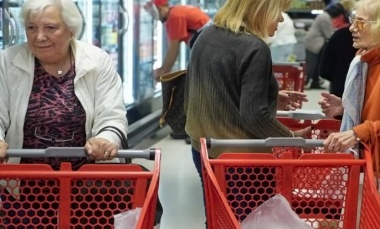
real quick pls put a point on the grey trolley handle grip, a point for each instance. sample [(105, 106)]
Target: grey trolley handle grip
[(302, 114), (77, 152), (269, 142)]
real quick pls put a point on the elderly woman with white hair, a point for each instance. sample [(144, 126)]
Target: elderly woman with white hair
[(56, 91), (359, 107)]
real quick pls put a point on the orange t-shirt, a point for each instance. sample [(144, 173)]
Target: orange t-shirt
[(182, 20)]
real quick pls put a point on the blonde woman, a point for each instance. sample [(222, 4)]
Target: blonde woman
[(230, 90)]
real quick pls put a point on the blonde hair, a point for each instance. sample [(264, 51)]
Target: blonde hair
[(255, 16), (372, 8)]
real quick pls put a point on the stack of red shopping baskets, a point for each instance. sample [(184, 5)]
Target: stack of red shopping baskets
[(290, 75), (35, 196), (322, 188)]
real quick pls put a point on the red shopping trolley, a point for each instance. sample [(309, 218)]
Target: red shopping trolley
[(236, 183), (35, 196)]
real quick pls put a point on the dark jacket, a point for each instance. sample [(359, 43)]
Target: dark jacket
[(231, 92), (336, 60)]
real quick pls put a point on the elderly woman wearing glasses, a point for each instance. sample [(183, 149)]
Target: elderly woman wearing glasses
[(58, 91), (359, 107)]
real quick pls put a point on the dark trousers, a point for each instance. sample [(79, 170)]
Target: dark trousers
[(312, 68)]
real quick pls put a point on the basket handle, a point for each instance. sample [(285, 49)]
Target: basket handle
[(302, 114), (268, 142), (77, 152)]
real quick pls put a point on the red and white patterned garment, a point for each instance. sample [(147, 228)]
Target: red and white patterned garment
[(55, 117)]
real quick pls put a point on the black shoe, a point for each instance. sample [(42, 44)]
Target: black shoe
[(178, 136), (188, 140)]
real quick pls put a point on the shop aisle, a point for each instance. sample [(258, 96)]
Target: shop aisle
[(180, 187)]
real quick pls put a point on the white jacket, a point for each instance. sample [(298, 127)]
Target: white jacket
[(97, 86), (285, 33)]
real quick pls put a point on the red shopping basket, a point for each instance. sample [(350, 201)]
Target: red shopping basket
[(35, 196), (289, 75), (236, 183)]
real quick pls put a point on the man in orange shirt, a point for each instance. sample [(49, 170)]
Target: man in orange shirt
[(183, 23)]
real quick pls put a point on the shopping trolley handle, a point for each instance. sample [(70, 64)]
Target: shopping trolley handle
[(302, 114), (77, 152), (268, 142)]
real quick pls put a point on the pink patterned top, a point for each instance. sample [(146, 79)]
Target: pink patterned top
[(55, 117)]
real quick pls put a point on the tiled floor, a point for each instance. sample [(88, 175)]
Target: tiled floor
[(180, 188)]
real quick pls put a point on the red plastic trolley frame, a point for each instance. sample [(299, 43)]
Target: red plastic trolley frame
[(35, 196), (229, 180), (322, 126)]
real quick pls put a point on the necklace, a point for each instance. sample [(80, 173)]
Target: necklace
[(60, 71)]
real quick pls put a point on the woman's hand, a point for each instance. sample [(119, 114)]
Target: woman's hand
[(340, 142), (331, 105), (304, 133), (3, 152), (290, 100), (101, 149)]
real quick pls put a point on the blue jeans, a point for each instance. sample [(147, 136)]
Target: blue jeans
[(198, 165)]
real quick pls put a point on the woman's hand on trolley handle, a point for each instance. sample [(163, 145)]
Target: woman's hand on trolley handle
[(3, 152), (101, 149), (340, 142)]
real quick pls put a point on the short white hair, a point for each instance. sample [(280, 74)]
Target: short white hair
[(69, 12)]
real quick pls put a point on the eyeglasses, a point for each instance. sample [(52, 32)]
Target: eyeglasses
[(52, 139), (359, 23)]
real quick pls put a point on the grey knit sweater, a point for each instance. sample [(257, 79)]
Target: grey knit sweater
[(320, 31), (231, 92)]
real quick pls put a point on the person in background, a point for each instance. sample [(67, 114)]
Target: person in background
[(336, 60), (282, 43), (330, 2), (319, 33), (359, 107), (231, 92), (182, 23)]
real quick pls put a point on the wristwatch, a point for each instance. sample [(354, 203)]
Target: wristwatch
[(356, 136)]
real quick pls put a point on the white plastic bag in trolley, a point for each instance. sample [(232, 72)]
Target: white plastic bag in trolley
[(127, 219), (274, 213)]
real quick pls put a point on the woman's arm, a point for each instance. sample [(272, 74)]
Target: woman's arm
[(366, 132), (255, 113), (4, 99), (109, 107)]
